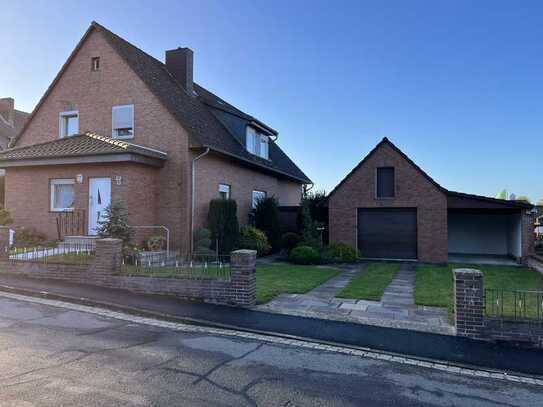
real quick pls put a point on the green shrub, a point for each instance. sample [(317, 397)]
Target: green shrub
[(5, 217), (309, 233), (342, 253), (223, 223), (304, 255), (289, 241), (267, 220), (115, 223), (254, 239), (29, 236)]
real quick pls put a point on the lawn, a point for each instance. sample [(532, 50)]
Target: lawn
[(434, 284), (272, 280), (371, 284)]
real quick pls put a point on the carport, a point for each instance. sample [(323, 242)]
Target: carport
[(484, 230)]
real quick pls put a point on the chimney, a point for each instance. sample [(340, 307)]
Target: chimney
[(180, 64), (7, 110)]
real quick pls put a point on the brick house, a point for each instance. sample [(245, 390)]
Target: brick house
[(388, 207), (118, 123), (11, 121)]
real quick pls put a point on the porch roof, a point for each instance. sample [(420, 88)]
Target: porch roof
[(80, 149)]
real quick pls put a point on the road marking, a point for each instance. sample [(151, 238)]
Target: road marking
[(366, 353)]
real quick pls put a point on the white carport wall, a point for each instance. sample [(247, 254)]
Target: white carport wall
[(487, 233)]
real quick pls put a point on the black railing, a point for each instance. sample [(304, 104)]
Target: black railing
[(516, 305), (72, 223), (64, 253), (175, 266)]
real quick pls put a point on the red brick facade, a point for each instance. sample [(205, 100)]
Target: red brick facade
[(413, 190), (153, 196)]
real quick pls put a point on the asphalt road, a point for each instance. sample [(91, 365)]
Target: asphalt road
[(52, 356)]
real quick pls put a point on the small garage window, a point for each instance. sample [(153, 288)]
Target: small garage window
[(385, 182)]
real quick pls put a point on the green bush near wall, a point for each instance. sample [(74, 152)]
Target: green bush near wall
[(223, 223)]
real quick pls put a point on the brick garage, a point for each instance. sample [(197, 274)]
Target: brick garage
[(434, 221)]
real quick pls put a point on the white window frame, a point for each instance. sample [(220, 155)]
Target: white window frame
[(59, 181), (254, 140), (116, 107), (264, 152), (226, 189), (95, 64), (256, 195), (62, 128)]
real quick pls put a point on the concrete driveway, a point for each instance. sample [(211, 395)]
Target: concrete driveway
[(53, 356)]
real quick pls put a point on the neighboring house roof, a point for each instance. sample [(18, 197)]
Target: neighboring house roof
[(191, 111), (8, 131), (83, 145), (515, 204)]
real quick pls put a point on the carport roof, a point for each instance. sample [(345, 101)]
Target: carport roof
[(454, 198)]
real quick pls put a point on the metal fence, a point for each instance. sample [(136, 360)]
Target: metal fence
[(63, 253), (516, 305), (148, 264), (72, 223)]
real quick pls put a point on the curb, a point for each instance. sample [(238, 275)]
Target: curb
[(438, 364)]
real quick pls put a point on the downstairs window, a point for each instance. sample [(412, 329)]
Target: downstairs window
[(62, 195)]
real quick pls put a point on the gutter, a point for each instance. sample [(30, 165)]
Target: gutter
[(194, 196)]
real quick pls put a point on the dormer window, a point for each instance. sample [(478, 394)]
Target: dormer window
[(257, 143)]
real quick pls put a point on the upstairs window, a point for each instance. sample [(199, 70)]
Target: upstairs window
[(257, 143), (62, 195), (68, 123), (123, 121), (95, 64), (385, 182), (256, 197), (224, 191)]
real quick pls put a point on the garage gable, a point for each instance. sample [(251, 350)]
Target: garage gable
[(410, 181)]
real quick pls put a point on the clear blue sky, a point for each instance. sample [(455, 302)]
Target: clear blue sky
[(458, 85)]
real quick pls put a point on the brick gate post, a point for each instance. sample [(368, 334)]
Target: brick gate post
[(468, 303), (243, 277), (108, 258)]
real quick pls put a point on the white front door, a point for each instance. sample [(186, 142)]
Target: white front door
[(99, 200)]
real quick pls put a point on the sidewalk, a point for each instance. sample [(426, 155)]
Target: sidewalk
[(416, 344)]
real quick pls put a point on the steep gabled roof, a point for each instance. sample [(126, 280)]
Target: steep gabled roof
[(204, 129), (386, 141)]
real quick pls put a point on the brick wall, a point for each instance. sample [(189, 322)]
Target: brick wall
[(213, 170), (239, 290), (29, 194), (470, 318), (412, 190)]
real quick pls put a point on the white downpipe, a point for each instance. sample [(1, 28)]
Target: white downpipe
[(194, 197)]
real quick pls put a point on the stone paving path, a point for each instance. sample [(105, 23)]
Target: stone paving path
[(396, 309)]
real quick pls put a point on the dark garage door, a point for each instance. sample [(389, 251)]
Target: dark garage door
[(388, 233)]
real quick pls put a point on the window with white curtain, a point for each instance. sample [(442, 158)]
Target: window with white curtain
[(62, 195), (257, 143), (123, 121), (257, 196), (68, 123)]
